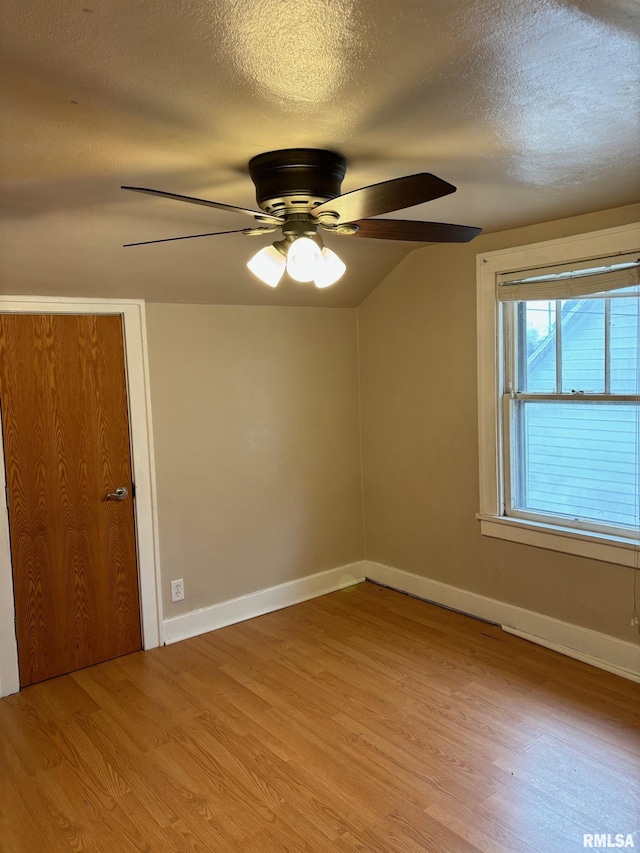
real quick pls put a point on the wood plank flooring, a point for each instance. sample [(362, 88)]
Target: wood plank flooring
[(361, 721)]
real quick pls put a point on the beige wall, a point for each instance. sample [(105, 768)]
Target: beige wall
[(256, 427), (420, 442), (255, 413)]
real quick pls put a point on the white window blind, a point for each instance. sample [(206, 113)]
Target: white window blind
[(568, 282)]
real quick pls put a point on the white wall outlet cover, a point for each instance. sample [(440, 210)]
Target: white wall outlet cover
[(177, 590)]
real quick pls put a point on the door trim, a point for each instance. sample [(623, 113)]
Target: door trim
[(142, 458)]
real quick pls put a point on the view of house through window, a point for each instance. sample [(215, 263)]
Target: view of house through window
[(571, 405)]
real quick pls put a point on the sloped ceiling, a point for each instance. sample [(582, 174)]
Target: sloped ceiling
[(530, 107)]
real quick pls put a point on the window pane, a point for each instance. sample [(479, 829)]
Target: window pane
[(582, 345), (579, 459), (539, 367), (625, 335)]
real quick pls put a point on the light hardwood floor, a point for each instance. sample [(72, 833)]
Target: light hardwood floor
[(361, 721)]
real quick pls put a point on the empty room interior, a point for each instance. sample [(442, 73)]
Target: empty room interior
[(320, 426)]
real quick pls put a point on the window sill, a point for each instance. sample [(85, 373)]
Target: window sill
[(594, 546)]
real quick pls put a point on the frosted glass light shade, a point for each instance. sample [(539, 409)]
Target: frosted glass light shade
[(329, 270), (268, 264), (303, 258)]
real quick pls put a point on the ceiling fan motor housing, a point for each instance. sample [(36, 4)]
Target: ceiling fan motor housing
[(296, 179)]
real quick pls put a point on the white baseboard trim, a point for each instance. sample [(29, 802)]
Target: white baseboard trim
[(261, 602), (600, 650)]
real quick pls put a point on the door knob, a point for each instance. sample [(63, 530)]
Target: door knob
[(119, 495)]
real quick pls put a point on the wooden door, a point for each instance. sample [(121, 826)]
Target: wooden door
[(66, 444)]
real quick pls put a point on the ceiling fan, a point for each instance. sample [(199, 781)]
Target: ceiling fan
[(298, 191)]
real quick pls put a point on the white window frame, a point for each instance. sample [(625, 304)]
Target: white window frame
[(491, 430)]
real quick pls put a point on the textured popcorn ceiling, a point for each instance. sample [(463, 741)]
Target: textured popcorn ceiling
[(529, 107)]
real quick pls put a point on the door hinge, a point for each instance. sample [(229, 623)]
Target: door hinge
[(133, 489), (6, 496)]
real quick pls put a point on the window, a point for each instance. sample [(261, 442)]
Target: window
[(559, 394)]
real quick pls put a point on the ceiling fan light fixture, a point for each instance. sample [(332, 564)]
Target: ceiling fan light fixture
[(303, 259), (330, 269), (268, 265), (299, 191)]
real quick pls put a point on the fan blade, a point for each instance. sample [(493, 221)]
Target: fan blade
[(415, 231), (250, 231), (256, 214), (385, 197)]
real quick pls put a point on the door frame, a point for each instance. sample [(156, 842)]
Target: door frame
[(142, 459)]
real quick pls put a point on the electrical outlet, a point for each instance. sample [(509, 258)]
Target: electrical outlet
[(177, 590)]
